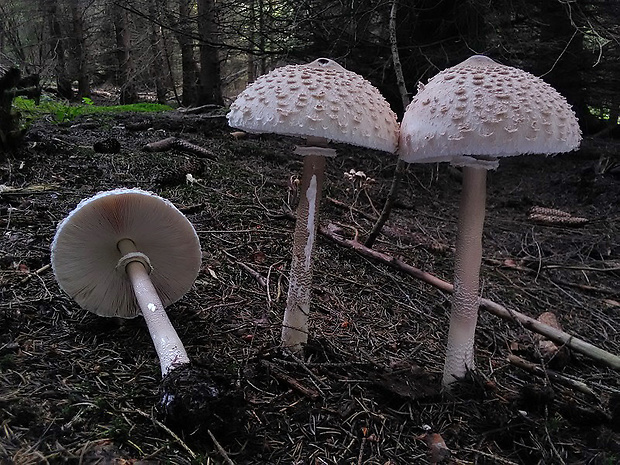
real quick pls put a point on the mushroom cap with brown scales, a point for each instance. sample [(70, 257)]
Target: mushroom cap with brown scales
[(85, 253), (319, 99), (480, 109)]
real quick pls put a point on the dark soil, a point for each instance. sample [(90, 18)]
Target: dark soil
[(77, 388)]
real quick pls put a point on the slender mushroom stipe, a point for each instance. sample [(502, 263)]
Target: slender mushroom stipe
[(322, 102), (125, 253), (471, 115)]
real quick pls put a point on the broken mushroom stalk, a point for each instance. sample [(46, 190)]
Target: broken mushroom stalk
[(321, 102), (127, 252), (471, 115)]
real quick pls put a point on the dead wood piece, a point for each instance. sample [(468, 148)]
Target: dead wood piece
[(220, 449), (200, 109), (255, 274), (292, 382), (552, 375), (238, 135), (556, 335), (181, 145), (346, 206)]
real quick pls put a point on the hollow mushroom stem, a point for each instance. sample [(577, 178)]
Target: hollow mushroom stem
[(468, 256), (168, 345), (295, 323)]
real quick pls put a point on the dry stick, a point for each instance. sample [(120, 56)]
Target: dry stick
[(169, 431), (220, 449), (36, 273), (346, 206), (540, 371), (255, 274), (556, 335), (303, 365), (400, 164), (292, 382), (181, 145)]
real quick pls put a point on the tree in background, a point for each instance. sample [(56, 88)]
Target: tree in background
[(220, 46)]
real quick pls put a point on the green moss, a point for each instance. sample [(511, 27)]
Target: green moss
[(61, 112)]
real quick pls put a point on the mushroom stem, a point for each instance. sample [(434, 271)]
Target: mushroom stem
[(168, 345), (295, 324), (468, 256)]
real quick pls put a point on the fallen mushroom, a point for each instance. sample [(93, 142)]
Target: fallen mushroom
[(319, 101), (127, 252), (471, 115)]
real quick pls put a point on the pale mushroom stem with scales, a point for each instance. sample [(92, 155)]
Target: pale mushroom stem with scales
[(320, 102), (125, 253), (296, 316), (471, 115)]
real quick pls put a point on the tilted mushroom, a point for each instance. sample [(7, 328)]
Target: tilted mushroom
[(127, 252), (319, 101), (471, 115)]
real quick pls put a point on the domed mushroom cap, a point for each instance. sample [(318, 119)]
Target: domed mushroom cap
[(320, 99), (482, 108), (85, 257)]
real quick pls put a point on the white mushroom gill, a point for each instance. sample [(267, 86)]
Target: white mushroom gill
[(125, 253)]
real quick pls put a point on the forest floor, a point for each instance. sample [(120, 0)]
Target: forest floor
[(78, 388)]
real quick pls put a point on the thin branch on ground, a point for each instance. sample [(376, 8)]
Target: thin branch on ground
[(560, 337)]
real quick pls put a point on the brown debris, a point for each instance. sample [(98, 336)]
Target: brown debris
[(553, 216), (558, 355)]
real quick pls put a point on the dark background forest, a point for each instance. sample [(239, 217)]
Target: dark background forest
[(206, 51)]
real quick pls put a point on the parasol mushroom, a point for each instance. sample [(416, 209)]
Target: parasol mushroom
[(471, 115), (127, 252), (321, 102)]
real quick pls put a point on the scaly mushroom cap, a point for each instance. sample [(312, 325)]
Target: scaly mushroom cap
[(319, 99), (85, 256), (482, 108)]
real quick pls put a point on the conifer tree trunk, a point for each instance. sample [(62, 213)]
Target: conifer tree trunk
[(158, 69), (188, 63), (209, 88), (126, 68), (79, 50), (58, 51)]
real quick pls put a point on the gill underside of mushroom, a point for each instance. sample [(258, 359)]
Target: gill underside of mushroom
[(468, 256), (168, 345), (295, 324)]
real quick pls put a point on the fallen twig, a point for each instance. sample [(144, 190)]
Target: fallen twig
[(292, 382), (220, 449), (181, 145), (560, 337), (169, 431), (255, 274), (35, 273), (540, 371)]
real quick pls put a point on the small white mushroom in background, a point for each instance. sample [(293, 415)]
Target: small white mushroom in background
[(470, 115), (125, 253), (321, 102)]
